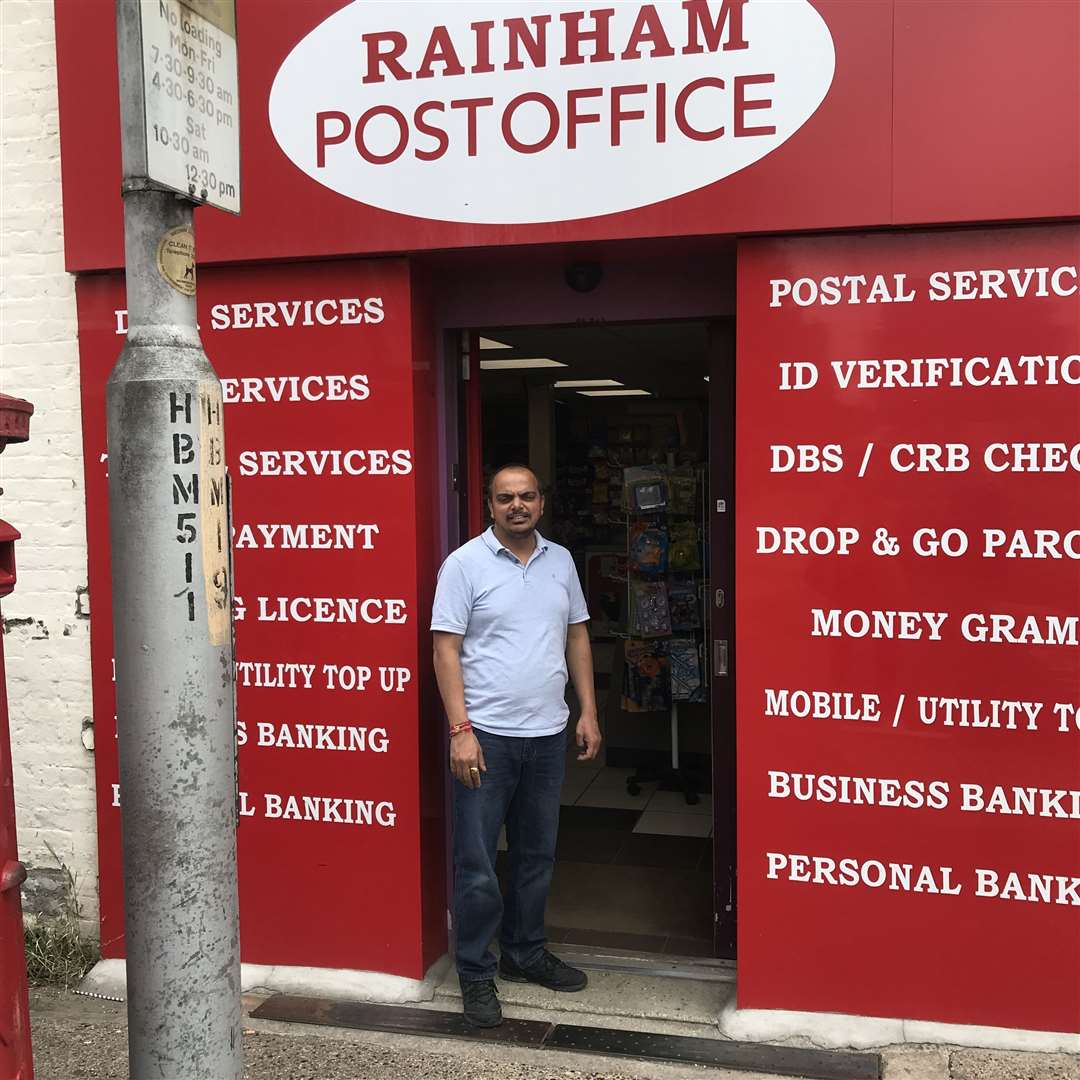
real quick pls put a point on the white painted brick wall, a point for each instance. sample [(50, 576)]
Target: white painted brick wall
[(48, 659)]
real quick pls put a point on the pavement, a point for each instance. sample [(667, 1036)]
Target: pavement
[(80, 1038)]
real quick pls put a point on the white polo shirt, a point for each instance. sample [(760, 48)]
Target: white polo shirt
[(513, 621)]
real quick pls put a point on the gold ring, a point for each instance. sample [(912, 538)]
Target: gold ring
[(474, 769)]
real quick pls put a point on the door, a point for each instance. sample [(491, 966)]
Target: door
[(721, 511)]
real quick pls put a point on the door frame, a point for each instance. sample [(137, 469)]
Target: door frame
[(721, 636), (517, 292)]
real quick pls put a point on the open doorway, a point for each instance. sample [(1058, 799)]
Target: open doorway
[(615, 419)]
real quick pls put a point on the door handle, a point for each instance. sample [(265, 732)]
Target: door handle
[(720, 657)]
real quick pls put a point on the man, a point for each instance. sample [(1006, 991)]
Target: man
[(509, 622)]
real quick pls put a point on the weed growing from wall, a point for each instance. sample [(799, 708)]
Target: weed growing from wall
[(58, 953)]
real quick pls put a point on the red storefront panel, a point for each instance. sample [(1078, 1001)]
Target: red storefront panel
[(329, 402), (956, 608), (979, 140), (916, 124)]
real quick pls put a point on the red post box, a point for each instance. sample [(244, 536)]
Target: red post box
[(16, 1061)]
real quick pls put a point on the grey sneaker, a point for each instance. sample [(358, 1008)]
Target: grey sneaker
[(547, 971), (481, 1003)]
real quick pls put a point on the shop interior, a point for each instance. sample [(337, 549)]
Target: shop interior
[(614, 418)]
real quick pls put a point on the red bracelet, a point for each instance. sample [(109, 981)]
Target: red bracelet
[(457, 729)]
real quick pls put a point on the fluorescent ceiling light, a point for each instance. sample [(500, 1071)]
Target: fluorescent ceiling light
[(511, 365), (567, 384), (615, 393), (491, 343)]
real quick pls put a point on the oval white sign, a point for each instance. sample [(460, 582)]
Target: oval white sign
[(545, 111)]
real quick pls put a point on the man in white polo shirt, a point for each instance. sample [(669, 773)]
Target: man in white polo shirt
[(510, 623)]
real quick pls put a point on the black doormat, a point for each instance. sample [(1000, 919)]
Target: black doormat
[(607, 1042)]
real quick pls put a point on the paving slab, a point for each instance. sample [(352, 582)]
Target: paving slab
[(916, 1063), (1013, 1065)]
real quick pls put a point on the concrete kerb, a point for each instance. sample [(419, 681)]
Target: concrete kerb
[(109, 977), (838, 1031)]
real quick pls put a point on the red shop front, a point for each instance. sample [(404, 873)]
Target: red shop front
[(826, 258)]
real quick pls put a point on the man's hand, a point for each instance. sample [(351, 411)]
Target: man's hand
[(467, 759), (588, 737)]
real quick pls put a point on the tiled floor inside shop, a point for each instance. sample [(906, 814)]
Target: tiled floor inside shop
[(631, 872), (659, 813)]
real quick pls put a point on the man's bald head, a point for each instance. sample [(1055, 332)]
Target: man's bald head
[(514, 467)]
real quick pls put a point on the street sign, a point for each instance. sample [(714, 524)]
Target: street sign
[(190, 98)]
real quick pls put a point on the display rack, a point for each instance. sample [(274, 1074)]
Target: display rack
[(674, 776)]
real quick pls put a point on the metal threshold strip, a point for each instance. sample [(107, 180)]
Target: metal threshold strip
[(608, 1042)]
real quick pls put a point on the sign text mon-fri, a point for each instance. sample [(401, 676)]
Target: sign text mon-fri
[(191, 100)]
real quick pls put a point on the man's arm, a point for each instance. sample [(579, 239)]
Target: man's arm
[(465, 751), (579, 663)]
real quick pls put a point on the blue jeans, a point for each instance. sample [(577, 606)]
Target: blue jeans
[(521, 789)]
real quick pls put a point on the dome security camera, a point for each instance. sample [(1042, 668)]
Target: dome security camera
[(583, 277)]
